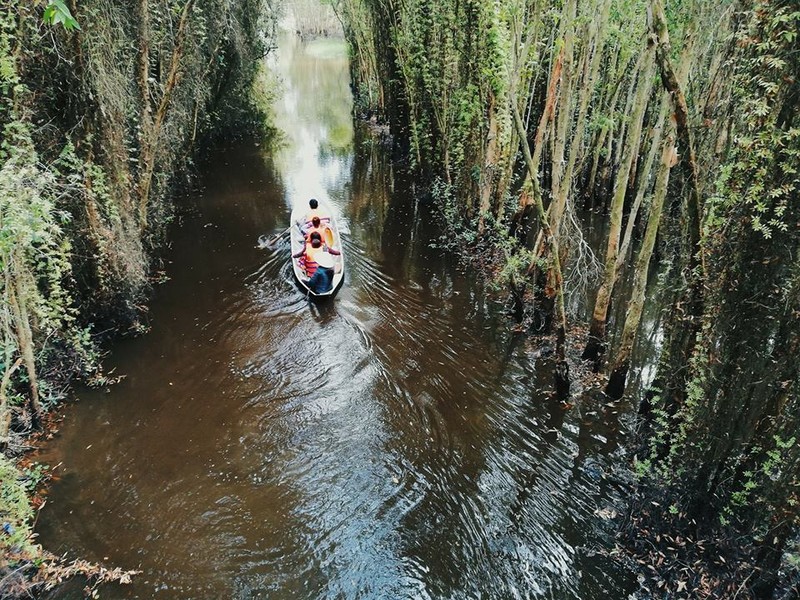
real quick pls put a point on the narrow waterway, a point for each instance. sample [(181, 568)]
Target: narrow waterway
[(396, 442)]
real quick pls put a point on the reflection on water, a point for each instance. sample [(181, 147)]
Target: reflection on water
[(313, 114), (393, 443)]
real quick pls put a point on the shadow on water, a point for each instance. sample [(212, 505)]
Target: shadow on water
[(393, 443)]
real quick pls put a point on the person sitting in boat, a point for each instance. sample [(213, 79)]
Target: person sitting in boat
[(316, 227), (313, 211), (322, 279), (320, 264), (307, 262)]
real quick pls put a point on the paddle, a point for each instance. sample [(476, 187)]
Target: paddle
[(263, 242)]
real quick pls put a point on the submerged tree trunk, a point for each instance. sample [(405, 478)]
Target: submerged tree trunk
[(621, 364), (681, 333), (561, 374), (595, 346), (619, 371)]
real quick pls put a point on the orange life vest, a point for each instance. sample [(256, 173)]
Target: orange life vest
[(307, 262)]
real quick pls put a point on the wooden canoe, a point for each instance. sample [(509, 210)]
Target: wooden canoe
[(332, 239)]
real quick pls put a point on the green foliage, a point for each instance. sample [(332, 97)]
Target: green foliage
[(729, 445), (32, 245), (450, 63), (265, 89), (34, 475), (77, 122), (453, 225), (642, 468), (16, 514), (33, 224), (57, 12), (72, 252), (514, 270), (761, 177)]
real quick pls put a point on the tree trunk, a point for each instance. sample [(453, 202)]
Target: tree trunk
[(595, 346), (490, 160), (769, 555), (527, 200), (146, 113), (619, 371), (25, 341), (150, 147), (563, 110), (680, 337), (658, 24), (5, 411), (562, 380), (655, 144), (559, 204), (683, 75)]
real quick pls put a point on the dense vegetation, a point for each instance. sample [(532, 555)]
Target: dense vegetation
[(103, 105), (679, 123)]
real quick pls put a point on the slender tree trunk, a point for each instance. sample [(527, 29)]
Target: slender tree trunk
[(683, 75), (619, 371), (559, 204), (563, 110), (150, 147), (617, 156), (562, 381), (597, 328), (658, 24), (146, 113), (5, 411), (598, 148), (655, 144), (769, 555), (605, 135), (25, 340), (526, 200), (491, 156), (681, 334)]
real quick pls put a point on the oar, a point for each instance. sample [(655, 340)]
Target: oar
[(270, 243)]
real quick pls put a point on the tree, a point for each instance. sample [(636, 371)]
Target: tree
[(719, 448)]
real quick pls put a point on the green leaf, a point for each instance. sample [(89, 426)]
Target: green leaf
[(57, 12)]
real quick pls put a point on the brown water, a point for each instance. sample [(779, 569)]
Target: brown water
[(396, 442)]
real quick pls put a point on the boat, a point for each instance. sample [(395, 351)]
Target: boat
[(332, 240)]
